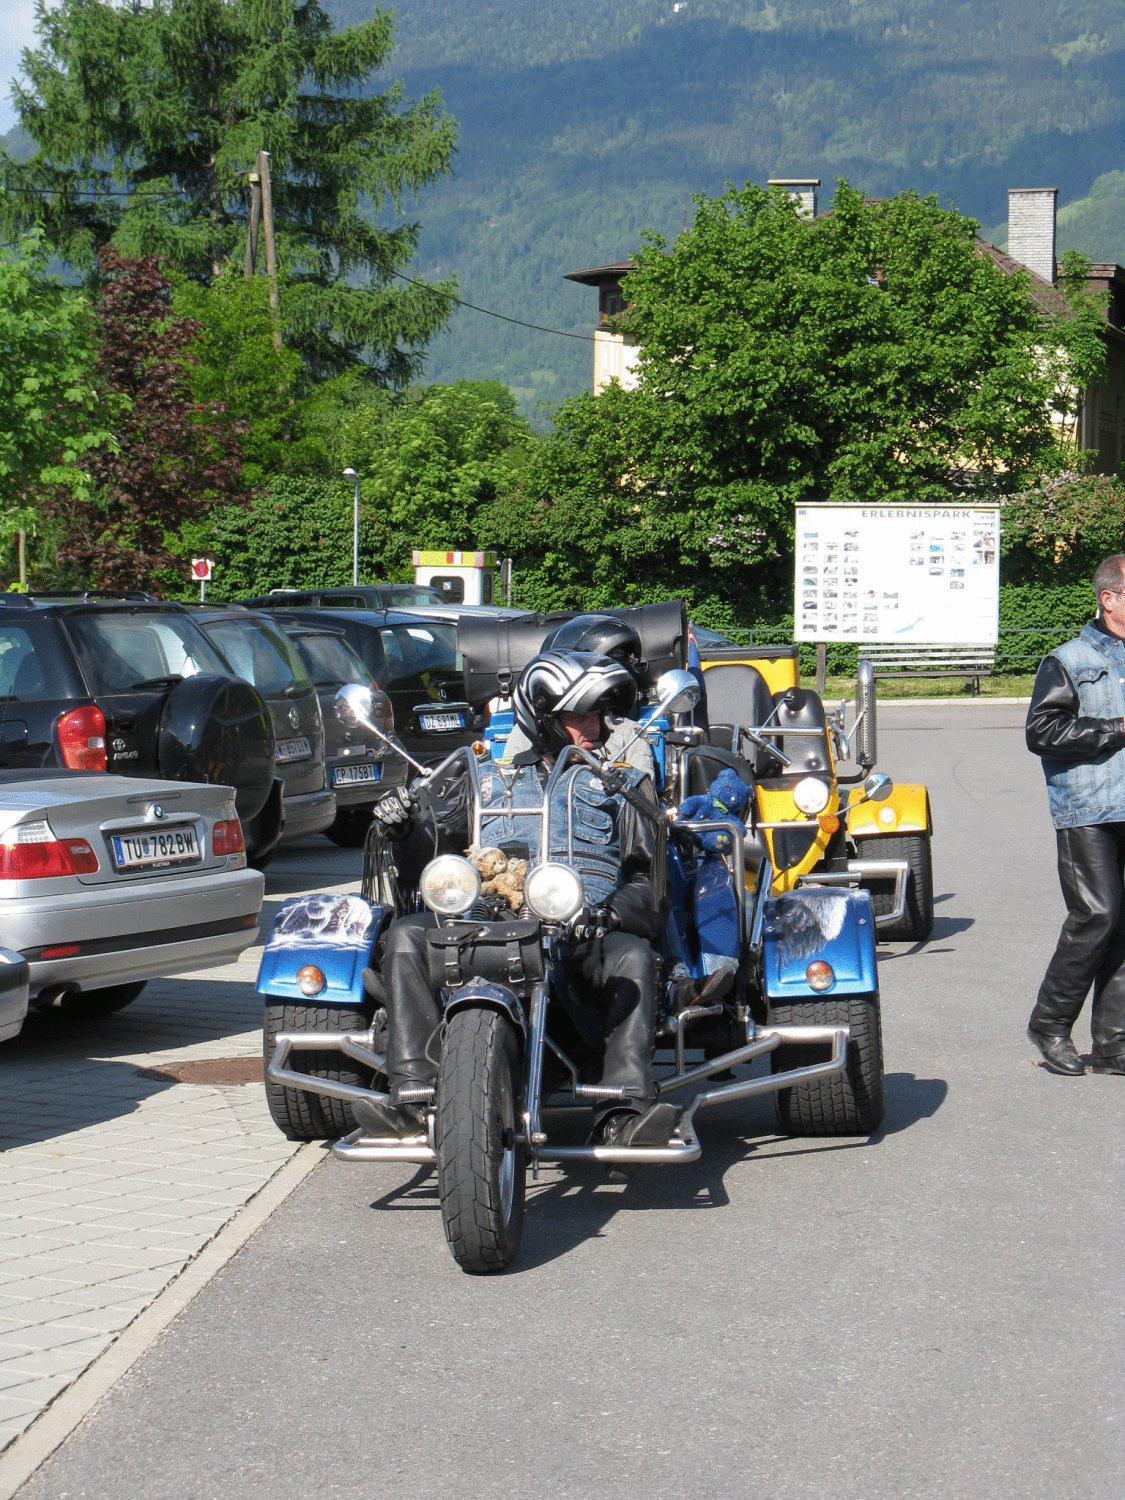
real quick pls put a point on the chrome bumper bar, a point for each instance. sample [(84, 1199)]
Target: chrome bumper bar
[(861, 872), (683, 1147)]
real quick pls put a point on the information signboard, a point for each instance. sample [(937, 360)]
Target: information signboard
[(929, 574)]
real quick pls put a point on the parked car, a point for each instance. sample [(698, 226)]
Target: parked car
[(108, 881), (15, 974), (259, 651), (416, 663), (360, 767), (357, 596), (133, 686)]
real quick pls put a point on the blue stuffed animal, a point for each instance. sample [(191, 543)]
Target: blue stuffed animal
[(715, 890)]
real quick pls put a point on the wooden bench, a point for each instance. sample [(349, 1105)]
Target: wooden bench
[(909, 660)]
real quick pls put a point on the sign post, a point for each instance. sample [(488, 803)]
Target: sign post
[(202, 569)]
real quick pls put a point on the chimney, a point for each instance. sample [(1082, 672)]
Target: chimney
[(802, 190), (1031, 229)]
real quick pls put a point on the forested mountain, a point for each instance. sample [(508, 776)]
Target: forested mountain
[(584, 124)]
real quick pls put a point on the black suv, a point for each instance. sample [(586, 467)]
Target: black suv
[(416, 663), (358, 596), (130, 685)]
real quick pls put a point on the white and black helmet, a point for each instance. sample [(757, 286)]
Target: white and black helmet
[(575, 682)]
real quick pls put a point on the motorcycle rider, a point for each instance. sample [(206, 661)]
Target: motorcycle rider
[(608, 961), (601, 635)]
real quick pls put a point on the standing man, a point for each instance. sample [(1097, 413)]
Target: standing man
[(1076, 724)]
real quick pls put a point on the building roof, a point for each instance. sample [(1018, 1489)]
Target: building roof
[(601, 273)]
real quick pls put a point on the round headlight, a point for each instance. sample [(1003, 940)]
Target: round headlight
[(811, 795), (449, 885), (553, 892)]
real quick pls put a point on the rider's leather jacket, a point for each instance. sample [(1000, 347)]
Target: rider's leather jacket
[(1076, 724)]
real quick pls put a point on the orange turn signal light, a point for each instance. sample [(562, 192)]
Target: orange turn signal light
[(311, 980), (820, 975)]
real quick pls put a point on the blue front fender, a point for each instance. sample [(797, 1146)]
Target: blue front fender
[(335, 933), (818, 922)]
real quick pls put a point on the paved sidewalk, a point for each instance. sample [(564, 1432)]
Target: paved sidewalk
[(112, 1180)]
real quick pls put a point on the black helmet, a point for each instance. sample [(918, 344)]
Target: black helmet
[(576, 682), (604, 635)]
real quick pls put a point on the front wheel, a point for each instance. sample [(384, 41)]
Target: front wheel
[(481, 1169), (851, 1104), (917, 920)]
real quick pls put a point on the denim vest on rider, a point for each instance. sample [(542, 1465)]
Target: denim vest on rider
[(596, 846), (1092, 791)]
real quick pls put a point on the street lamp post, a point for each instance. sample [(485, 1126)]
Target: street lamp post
[(354, 477)]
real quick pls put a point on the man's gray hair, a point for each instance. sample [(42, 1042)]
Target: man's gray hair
[(1110, 575)]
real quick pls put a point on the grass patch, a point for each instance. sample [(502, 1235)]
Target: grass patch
[(1003, 685)]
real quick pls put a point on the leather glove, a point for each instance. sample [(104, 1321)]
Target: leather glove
[(588, 925), (396, 809)]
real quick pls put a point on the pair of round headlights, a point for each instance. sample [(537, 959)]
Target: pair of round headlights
[(449, 885)]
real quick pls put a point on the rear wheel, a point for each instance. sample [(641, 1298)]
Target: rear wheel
[(481, 1169), (917, 920), (851, 1104), (301, 1116), (87, 1004)]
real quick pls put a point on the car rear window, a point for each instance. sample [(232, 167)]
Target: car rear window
[(260, 654), (409, 651), (124, 652), (330, 661), (34, 662)]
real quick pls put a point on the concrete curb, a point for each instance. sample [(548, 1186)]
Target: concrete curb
[(946, 702), (34, 1446)]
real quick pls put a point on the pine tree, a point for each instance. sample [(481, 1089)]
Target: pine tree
[(147, 120)]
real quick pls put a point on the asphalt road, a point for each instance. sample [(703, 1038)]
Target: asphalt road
[(935, 1312)]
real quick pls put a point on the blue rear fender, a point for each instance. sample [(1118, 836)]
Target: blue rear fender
[(337, 934), (814, 923)]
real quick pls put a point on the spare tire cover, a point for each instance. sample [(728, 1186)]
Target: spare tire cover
[(218, 729)]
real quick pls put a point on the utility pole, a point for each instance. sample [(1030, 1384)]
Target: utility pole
[(271, 244), (252, 228)]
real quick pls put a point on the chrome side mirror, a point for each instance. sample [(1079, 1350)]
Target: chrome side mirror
[(863, 730), (677, 691), (354, 705), (878, 787)]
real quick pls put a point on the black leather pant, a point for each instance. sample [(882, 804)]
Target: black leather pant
[(610, 1004), (1091, 946)]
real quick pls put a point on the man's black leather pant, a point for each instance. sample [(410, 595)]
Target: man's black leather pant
[(611, 1004), (1091, 947)]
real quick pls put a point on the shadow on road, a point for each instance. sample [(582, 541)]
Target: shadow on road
[(567, 1208)]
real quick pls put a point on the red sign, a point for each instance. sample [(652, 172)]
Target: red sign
[(201, 569)]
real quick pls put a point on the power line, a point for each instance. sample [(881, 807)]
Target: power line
[(487, 311)]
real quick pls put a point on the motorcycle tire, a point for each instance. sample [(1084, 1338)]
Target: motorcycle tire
[(481, 1170), (917, 921), (301, 1116), (851, 1104)]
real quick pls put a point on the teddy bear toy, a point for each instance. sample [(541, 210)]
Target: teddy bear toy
[(500, 875), (714, 891)]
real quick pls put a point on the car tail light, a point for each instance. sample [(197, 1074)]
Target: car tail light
[(30, 851), (227, 838), (81, 735), (383, 713)]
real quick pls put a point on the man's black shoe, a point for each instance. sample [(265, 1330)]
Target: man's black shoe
[(1058, 1052), (377, 1118), (652, 1127), (1114, 1062)]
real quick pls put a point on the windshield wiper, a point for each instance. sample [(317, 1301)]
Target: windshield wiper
[(156, 682)]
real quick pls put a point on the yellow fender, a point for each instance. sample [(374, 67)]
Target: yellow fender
[(776, 805), (906, 810)]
